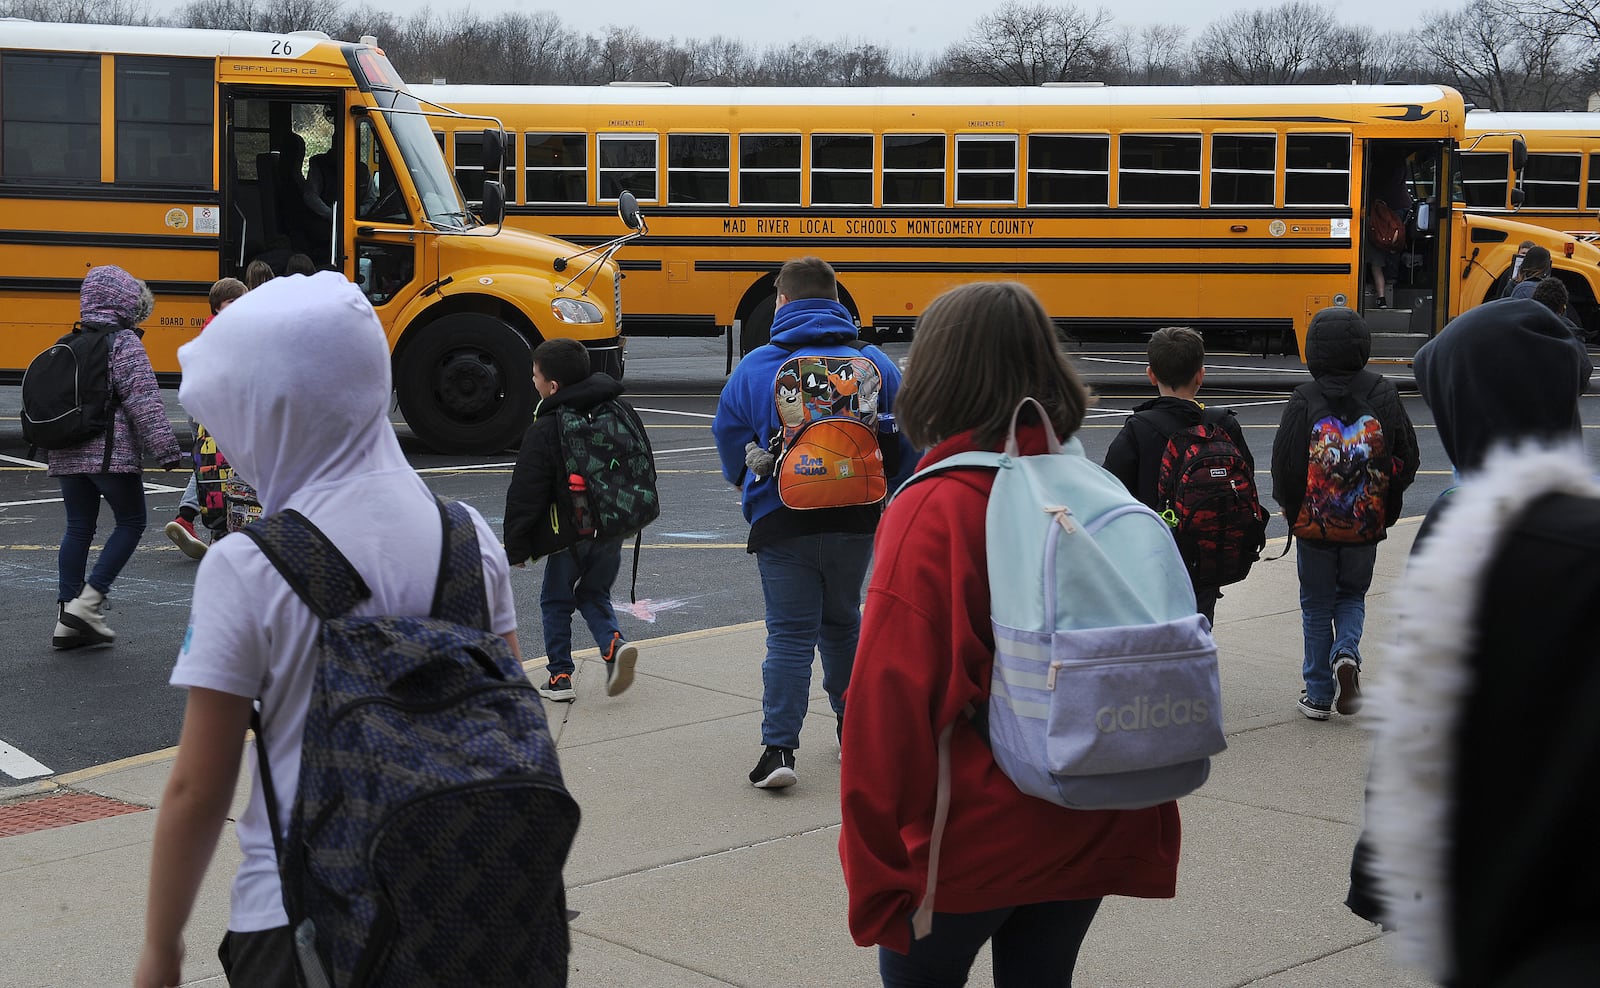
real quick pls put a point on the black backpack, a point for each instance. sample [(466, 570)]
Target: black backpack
[(431, 823), (610, 489), (67, 395), (1206, 492)]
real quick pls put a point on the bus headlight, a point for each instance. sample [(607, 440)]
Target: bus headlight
[(576, 310)]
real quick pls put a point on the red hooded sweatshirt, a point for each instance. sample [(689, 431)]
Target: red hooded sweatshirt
[(926, 651)]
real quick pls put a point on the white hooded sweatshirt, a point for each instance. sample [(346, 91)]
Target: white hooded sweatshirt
[(293, 382)]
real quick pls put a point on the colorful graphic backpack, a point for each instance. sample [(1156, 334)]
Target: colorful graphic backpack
[(828, 450), (1348, 468), (227, 503), (1206, 492)]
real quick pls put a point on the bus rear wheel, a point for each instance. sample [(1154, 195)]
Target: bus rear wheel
[(756, 330), (466, 384)]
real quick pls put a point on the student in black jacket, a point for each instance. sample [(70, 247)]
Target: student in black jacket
[(1340, 504), (1177, 368), (579, 572), (1481, 808)]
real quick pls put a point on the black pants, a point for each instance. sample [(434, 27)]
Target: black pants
[(261, 959)]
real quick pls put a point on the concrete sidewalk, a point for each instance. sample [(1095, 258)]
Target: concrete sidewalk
[(685, 875)]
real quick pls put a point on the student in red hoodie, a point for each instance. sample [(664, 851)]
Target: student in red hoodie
[(1012, 869)]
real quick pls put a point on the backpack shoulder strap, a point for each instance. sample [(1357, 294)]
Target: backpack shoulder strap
[(459, 595), (977, 459), (309, 562)]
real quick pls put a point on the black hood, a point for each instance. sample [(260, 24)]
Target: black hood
[(1506, 370), (1337, 342), (584, 395)]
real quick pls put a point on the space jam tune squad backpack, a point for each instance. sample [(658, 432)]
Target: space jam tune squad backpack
[(828, 450)]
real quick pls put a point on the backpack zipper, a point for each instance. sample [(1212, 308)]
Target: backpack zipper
[(1056, 665)]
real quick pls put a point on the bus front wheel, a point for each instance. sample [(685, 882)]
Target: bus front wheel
[(756, 330), (466, 384)]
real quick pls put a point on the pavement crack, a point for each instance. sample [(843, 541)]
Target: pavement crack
[(693, 858)]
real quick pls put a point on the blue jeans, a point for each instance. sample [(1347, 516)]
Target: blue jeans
[(580, 579), (1035, 946), (812, 586), (81, 494), (1333, 608)]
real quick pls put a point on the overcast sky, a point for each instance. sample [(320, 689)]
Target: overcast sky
[(925, 26)]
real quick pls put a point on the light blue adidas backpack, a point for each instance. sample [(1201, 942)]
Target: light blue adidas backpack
[(1105, 692)]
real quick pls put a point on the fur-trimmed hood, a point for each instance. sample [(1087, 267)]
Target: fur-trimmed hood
[(1414, 810)]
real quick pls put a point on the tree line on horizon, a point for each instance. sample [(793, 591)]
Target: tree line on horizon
[(1501, 54)]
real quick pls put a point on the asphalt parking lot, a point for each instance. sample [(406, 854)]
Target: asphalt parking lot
[(64, 711)]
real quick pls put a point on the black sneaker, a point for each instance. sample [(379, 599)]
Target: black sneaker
[(559, 688), (1346, 684), (1313, 709), (775, 770), (619, 659)]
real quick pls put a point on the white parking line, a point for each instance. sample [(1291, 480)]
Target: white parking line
[(18, 765)]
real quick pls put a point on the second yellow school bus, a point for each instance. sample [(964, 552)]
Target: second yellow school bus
[(1236, 210), (183, 156), (1560, 186)]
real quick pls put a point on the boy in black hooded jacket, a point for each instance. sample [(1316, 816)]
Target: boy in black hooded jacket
[(579, 572), (1366, 458)]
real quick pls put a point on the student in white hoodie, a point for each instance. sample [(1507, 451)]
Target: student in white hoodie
[(293, 382)]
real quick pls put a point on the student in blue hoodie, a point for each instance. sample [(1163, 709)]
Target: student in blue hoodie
[(813, 562)]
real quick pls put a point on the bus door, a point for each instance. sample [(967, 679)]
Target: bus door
[(386, 240), (1405, 291), (282, 166)]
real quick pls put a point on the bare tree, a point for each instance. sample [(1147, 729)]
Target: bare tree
[(1500, 57), (127, 12), (1026, 45), (1153, 55), (1269, 46)]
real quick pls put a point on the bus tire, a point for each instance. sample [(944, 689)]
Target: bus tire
[(756, 330), (466, 384)]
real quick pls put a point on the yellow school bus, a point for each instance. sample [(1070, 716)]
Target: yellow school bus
[(184, 156), (1560, 186), (1236, 210)]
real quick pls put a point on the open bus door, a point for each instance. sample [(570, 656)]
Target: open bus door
[(282, 167), (1404, 292)]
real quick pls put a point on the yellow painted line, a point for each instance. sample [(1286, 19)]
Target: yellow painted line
[(134, 761)]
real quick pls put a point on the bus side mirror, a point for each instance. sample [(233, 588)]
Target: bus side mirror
[(628, 211), (1519, 154), (1424, 217), (494, 149), (493, 210), (1517, 198)]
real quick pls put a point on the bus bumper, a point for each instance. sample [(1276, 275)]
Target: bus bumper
[(607, 355)]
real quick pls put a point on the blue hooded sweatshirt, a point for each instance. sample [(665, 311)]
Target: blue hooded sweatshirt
[(748, 412)]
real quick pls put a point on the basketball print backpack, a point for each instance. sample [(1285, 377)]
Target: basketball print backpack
[(1206, 492), (1348, 468), (827, 449), (431, 823)]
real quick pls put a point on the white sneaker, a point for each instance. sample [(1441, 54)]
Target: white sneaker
[(65, 637), (83, 614)]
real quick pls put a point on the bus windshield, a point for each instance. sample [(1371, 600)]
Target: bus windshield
[(442, 204)]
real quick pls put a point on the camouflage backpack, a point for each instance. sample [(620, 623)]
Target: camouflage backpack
[(606, 447), (431, 824)]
